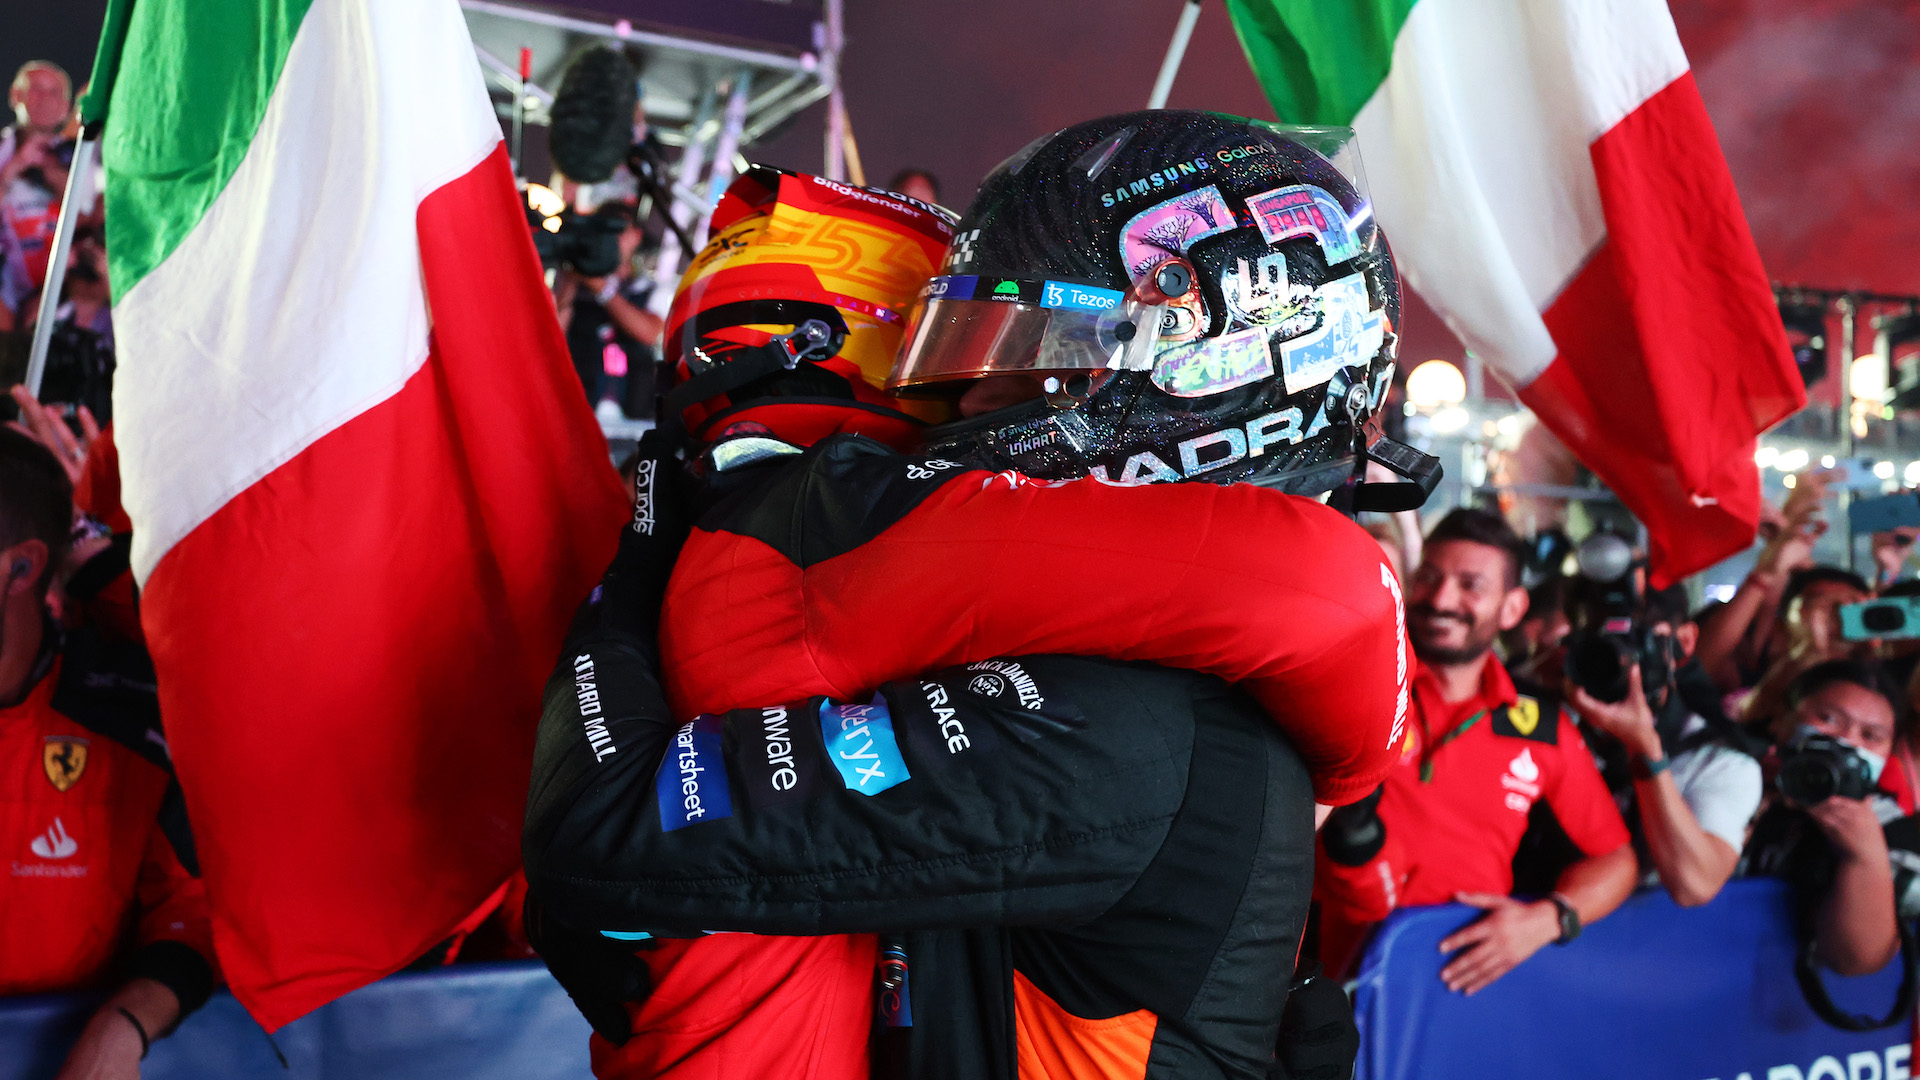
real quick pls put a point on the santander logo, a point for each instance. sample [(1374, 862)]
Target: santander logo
[(1521, 783), (55, 843)]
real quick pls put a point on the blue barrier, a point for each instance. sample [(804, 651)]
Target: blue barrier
[(1654, 992), (472, 1021)]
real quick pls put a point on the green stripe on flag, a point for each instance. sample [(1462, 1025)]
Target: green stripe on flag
[(1319, 60), (194, 80)]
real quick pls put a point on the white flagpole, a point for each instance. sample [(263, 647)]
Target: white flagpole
[(79, 175), (1176, 51)]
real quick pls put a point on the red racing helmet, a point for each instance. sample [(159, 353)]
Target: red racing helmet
[(790, 318)]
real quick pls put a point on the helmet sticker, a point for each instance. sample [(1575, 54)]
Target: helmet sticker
[(1260, 293), (1350, 333), (962, 252), (1215, 364), (1059, 295), (1170, 227), (1305, 210)]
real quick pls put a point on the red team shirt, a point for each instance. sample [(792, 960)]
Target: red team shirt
[(1457, 831), (87, 865)]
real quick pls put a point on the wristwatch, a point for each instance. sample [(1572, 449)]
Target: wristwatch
[(1569, 919), (1648, 768)]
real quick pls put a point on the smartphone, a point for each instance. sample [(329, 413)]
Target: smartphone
[(1892, 618), (1884, 513), (1857, 474)]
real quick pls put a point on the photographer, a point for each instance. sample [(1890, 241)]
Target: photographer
[(1689, 792), (1751, 631), (601, 301), (1825, 824)]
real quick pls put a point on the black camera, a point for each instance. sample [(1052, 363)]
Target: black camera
[(588, 244), (1611, 632), (1820, 767)]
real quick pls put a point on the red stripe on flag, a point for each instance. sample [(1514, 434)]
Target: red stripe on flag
[(1672, 358), (351, 651)]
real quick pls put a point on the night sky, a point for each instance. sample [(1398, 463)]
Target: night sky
[(1817, 103)]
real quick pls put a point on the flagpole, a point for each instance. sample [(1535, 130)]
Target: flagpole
[(79, 175), (93, 121), (1176, 52)]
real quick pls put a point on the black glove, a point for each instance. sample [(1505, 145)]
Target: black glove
[(1354, 834), (650, 541), (1318, 1038), (600, 975)]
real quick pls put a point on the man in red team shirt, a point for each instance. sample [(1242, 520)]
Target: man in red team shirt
[(1478, 754), (95, 893)]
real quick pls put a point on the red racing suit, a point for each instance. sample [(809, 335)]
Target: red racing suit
[(854, 565), (90, 870)]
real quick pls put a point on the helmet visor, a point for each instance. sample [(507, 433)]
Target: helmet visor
[(968, 327)]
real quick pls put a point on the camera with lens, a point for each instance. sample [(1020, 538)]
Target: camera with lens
[(1821, 767), (1611, 632), (588, 244)]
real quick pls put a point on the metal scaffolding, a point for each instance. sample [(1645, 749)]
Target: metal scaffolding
[(718, 75)]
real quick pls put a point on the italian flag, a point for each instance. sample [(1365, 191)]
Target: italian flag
[(1550, 182), (366, 490)]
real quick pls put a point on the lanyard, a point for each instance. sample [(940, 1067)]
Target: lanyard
[(1429, 752)]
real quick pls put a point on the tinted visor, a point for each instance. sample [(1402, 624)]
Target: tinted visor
[(967, 327)]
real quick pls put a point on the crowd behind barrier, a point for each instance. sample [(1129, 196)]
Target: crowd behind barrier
[(1654, 992)]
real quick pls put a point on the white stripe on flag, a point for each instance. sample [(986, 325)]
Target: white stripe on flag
[(1480, 171), (296, 304)]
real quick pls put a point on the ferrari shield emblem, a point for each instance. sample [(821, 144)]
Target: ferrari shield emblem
[(1524, 715), (65, 759)]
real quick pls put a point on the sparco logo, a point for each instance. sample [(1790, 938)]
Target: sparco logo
[(643, 495), (951, 729), (1023, 683), (779, 749), (588, 692)]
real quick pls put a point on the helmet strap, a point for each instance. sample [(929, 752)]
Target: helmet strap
[(811, 339), (1420, 472)]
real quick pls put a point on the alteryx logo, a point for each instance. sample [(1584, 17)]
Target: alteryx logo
[(692, 782), (860, 741)]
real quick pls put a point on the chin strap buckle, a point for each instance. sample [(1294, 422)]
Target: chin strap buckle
[(811, 340), (1420, 473)]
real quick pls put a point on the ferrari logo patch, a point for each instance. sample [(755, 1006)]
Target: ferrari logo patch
[(1524, 715), (65, 758)]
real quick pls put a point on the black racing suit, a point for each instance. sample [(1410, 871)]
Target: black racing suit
[(1133, 842)]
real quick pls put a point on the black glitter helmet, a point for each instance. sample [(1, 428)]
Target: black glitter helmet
[(1201, 296)]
